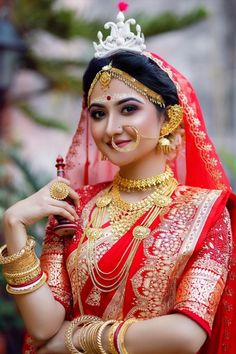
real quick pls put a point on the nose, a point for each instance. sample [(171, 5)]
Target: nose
[(114, 125)]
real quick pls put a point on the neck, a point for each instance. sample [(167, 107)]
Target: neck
[(152, 165)]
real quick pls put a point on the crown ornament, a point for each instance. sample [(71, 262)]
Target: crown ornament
[(121, 37)]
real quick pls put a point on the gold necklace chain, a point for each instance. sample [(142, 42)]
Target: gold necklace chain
[(141, 184), (123, 214), (121, 221)]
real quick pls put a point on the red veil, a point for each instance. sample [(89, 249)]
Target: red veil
[(197, 164)]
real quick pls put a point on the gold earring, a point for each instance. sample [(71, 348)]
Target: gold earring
[(175, 115), (164, 145)]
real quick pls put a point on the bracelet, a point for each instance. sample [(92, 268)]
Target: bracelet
[(28, 288), (116, 334), (121, 335), (111, 337), (69, 332), (5, 259), (99, 335), (88, 335), (24, 280), (23, 273)]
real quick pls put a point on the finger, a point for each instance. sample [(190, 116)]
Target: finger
[(60, 179), (61, 212), (75, 196), (65, 180), (65, 205)]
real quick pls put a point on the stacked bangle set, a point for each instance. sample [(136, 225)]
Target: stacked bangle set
[(89, 338), (22, 270)]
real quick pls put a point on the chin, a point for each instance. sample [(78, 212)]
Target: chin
[(122, 162)]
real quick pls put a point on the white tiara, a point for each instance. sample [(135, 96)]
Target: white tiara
[(120, 38)]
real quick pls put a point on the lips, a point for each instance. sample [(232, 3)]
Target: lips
[(120, 143)]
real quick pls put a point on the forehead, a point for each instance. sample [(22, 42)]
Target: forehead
[(116, 90)]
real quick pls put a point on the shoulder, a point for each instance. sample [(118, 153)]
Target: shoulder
[(192, 195), (208, 204), (198, 190)]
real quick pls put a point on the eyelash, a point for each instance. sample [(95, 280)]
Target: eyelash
[(99, 114)]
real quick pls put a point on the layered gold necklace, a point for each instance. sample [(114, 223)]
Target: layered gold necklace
[(123, 215)]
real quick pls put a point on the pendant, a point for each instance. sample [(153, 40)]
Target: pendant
[(104, 200), (93, 233), (141, 232), (162, 201)]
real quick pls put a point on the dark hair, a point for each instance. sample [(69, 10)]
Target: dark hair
[(138, 66)]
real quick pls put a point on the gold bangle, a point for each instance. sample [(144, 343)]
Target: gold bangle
[(25, 263), (23, 279), (5, 259), (88, 335), (111, 333), (27, 289), (99, 335), (13, 275), (121, 336), (69, 332)]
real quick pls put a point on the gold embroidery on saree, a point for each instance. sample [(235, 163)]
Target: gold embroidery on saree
[(167, 251)]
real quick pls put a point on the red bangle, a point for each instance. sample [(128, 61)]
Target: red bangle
[(29, 282), (116, 334)]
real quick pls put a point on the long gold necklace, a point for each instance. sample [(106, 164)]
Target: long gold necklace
[(122, 216)]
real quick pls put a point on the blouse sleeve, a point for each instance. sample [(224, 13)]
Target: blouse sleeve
[(53, 264), (203, 282)]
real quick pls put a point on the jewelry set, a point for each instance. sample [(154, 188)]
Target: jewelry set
[(122, 216), (89, 337)]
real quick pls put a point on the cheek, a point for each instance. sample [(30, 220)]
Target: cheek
[(96, 131), (149, 125)]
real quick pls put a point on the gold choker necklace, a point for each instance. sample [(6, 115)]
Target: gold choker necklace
[(142, 184)]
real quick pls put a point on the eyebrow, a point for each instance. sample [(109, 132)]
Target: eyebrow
[(117, 103)]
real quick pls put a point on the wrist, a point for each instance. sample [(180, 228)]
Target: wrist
[(10, 221)]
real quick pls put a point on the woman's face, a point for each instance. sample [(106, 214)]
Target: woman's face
[(114, 109)]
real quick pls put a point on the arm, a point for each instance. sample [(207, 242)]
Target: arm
[(170, 334), (42, 314)]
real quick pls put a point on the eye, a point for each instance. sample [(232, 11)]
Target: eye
[(129, 109), (97, 115)]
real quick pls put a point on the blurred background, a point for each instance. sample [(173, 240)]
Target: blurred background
[(45, 46)]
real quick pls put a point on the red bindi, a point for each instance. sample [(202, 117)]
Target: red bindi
[(108, 98)]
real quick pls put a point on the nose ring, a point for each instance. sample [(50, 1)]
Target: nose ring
[(130, 147)]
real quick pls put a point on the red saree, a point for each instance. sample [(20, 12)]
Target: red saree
[(186, 265), (181, 267)]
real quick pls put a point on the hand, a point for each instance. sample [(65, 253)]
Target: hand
[(55, 345), (40, 205)]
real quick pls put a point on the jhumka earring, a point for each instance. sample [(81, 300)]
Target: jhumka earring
[(131, 146), (175, 115)]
